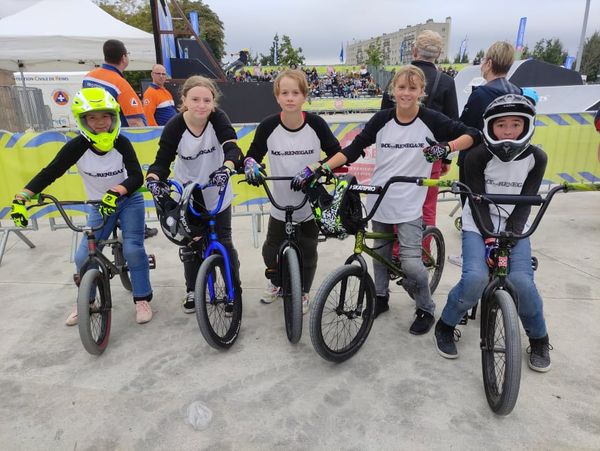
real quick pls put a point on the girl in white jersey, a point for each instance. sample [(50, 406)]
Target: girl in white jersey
[(110, 170), (204, 146), (401, 137), (292, 139)]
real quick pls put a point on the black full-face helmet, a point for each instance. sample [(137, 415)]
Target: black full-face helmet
[(508, 105), (176, 219)]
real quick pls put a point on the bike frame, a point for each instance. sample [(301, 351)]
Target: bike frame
[(212, 243), (290, 230)]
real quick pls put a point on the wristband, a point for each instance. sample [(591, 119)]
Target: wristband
[(24, 195), (452, 146), (326, 166)]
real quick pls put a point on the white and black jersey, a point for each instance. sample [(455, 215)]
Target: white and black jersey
[(289, 152), (198, 156), (400, 152), (486, 173), (100, 171)]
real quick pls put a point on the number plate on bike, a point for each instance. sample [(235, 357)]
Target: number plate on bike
[(503, 262)]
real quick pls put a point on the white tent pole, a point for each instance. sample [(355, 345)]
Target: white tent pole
[(29, 114)]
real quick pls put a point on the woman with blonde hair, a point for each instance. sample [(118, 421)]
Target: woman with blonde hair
[(203, 144)]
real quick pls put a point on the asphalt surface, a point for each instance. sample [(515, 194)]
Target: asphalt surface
[(264, 393)]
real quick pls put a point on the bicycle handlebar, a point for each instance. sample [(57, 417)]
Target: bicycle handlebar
[(47, 199), (270, 194), (457, 187)]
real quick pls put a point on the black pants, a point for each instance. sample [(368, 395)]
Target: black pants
[(192, 264), (307, 233)]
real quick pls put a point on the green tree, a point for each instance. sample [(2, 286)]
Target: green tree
[(590, 62), (550, 51), (288, 55), (138, 14), (374, 55), (459, 60), (525, 53)]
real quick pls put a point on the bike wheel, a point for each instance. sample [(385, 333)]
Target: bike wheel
[(342, 313), (292, 295), (501, 353), (93, 312), (120, 263), (219, 318), (434, 255)]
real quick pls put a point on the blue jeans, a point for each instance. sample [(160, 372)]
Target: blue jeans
[(410, 237), (474, 278), (130, 213)]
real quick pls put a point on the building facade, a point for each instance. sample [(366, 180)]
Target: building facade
[(397, 46)]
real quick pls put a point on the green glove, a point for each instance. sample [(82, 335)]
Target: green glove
[(19, 213), (109, 203)]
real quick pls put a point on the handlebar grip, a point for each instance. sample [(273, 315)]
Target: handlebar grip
[(514, 199)]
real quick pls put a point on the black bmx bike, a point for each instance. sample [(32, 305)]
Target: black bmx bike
[(94, 298), (289, 265), (500, 338)]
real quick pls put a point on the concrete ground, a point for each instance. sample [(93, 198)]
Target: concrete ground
[(264, 393)]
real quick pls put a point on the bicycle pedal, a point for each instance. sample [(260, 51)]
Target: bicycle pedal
[(152, 261)]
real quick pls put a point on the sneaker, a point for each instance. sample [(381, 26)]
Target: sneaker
[(422, 322), (305, 303), (189, 306), (143, 312), (72, 318), (272, 293), (455, 259), (149, 232), (445, 338), (381, 305), (539, 354)]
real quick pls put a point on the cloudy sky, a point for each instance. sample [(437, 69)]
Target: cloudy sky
[(321, 26)]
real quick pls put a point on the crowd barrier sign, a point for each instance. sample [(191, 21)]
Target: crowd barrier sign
[(570, 140)]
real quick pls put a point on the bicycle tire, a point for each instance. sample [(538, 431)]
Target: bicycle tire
[(94, 318), (349, 330), (219, 329), (501, 363), (122, 264), (292, 295), (434, 257)]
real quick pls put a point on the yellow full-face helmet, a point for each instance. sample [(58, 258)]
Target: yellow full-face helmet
[(89, 100)]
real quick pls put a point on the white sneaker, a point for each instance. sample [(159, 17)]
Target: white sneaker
[(143, 312), (455, 259), (305, 303), (189, 306), (272, 293), (72, 318)]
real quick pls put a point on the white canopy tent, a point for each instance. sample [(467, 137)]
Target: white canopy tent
[(67, 35)]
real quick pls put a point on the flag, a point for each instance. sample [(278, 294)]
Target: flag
[(275, 54), (521, 34), (342, 53), (463, 49)]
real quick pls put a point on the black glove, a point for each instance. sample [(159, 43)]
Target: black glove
[(109, 203), (157, 188), (436, 151), (220, 177)]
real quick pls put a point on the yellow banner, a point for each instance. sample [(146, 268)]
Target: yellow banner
[(570, 140)]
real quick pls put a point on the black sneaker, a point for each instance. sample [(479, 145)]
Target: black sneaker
[(149, 232), (381, 305), (445, 339), (539, 354), (422, 322), (189, 306)]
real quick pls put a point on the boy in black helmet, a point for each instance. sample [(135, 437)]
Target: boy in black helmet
[(505, 163)]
